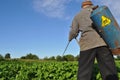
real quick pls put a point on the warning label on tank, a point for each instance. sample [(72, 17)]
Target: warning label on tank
[(105, 21)]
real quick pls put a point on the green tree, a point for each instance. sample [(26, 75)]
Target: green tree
[(58, 58), (7, 56), (64, 58), (1, 57), (76, 58), (46, 58), (52, 58), (23, 57), (30, 56), (69, 57)]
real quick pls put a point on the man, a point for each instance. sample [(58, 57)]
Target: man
[(92, 46)]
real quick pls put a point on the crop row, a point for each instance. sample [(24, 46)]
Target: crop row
[(21, 70)]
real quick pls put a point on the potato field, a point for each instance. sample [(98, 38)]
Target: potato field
[(43, 70)]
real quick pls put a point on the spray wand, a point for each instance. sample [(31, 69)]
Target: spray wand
[(68, 45), (66, 48)]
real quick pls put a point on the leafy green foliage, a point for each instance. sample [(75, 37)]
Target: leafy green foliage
[(22, 70)]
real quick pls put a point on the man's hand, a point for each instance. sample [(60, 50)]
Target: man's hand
[(72, 36)]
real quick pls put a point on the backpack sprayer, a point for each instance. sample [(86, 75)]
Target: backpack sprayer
[(107, 27)]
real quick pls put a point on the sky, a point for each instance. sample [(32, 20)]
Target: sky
[(41, 27)]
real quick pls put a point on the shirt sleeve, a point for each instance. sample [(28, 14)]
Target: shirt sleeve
[(74, 29)]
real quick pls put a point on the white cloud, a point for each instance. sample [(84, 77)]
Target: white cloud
[(57, 8), (51, 8)]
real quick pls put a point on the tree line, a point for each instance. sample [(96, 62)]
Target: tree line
[(7, 56), (68, 57)]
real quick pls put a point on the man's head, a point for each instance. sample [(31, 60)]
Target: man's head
[(86, 4)]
